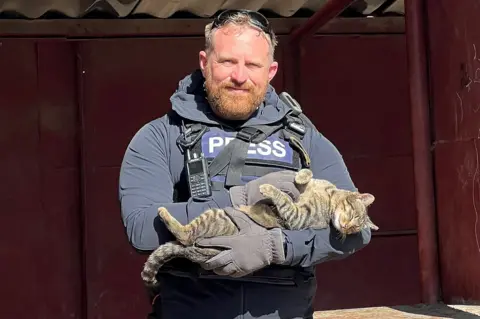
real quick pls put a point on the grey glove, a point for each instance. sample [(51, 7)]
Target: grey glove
[(253, 248), (249, 194)]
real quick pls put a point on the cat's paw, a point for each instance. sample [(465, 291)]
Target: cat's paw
[(268, 190), (303, 176), (163, 214)]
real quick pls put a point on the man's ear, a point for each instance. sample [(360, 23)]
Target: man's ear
[(272, 70), (202, 59)]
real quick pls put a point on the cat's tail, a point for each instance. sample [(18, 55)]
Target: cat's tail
[(158, 258)]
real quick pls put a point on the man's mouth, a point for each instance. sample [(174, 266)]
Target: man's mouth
[(239, 90)]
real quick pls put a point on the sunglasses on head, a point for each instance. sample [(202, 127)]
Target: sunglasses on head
[(257, 18)]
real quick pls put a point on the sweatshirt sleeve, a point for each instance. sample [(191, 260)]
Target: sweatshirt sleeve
[(307, 248), (146, 183)]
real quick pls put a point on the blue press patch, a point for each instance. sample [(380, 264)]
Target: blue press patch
[(271, 149)]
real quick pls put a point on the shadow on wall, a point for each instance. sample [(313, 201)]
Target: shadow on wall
[(441, 311)]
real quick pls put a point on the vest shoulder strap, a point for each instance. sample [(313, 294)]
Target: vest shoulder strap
[(296, 123)]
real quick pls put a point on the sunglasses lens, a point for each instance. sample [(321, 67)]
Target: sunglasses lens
[(257, 17)]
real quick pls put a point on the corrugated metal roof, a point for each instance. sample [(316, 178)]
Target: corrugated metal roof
[(167, 8)]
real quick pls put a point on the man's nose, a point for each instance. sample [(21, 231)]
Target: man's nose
[(239, 74)]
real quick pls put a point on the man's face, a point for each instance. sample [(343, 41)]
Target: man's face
[(237, 71)]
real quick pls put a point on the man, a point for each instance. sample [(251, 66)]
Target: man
[(262, 273)]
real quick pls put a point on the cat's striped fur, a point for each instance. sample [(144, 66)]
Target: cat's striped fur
[(320, 203)]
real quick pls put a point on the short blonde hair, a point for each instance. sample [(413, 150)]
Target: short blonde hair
[(240, 19)]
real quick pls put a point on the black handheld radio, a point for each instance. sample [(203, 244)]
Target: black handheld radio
[(197, 173)]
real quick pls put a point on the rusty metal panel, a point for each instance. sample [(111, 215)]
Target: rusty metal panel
[(454, 41), (359, 85), (457, 206), (355, 90), (40, 238), (165, 9)]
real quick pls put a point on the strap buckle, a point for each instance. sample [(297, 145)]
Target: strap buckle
[(248, 134), (191, 135), (295, 126), (293, 122), (291, 102)]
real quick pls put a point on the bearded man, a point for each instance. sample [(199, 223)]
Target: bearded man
[(228, 124)]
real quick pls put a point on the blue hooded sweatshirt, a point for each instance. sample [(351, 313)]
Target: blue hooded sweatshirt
[(153, 168)]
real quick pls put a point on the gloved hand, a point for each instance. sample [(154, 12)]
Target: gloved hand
[(253, 248), (249, 194)]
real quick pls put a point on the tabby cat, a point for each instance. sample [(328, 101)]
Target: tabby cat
[(319, 203)]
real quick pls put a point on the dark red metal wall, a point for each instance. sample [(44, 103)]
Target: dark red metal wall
[(69, 109), (39, 189), (455, 80), (355, 89)]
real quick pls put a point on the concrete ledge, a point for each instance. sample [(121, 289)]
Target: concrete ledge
[(416, 311)]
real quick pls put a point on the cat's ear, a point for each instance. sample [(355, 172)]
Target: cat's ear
[(371, 225), (366, 198)]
